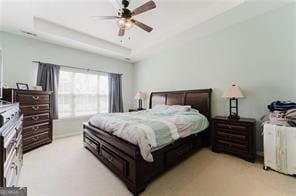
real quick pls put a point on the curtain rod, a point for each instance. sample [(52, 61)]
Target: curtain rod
[(80, 68)]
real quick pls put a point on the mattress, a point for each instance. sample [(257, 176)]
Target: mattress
[(152, 129)]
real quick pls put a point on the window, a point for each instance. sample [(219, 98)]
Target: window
[(82, 94)]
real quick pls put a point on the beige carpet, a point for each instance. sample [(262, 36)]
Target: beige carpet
[(65, 168)]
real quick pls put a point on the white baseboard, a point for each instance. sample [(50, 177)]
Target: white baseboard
[(67, 135)]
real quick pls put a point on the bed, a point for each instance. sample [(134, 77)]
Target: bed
[(124, 158)]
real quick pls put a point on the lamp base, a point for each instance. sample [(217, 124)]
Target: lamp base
[(233, 117)]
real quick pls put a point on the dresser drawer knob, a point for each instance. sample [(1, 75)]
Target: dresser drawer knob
[(13, 165), (35, 128), (35, 97), (35, 107), (35, 117)]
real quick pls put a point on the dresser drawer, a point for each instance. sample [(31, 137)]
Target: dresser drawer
[(11, 175), (19, 150), (34, 109), (19, 126), (114, 160), (35, 129), (11, 169), (35, 119), (10, 144), (36, 138), (25, 137), (36, 144), (32, 99)]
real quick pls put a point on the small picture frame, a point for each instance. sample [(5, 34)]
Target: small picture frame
[(22, 86)]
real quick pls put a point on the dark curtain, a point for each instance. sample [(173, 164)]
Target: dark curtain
[(115, 93), (48, 78)]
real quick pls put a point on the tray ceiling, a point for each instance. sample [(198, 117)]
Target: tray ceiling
[(69, 22)]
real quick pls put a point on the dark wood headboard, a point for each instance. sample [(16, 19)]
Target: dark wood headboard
[(198, 99)]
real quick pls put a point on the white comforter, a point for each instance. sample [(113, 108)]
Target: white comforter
[(154, 128)]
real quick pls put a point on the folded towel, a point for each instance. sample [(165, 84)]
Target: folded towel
[(281, 106)]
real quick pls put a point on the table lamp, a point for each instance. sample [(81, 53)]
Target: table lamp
[(140, 96), (233, 93)]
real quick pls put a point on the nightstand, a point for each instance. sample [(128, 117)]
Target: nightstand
[(237, 137), (135, 110)]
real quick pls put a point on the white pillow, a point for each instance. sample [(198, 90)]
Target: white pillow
[(179, 108), (160, 107)]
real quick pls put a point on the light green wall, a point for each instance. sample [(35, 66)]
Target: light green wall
[(257, 55), (19, 52)]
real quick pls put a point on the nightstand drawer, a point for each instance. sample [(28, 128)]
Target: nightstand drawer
[(233, 127), (230, 136), (229, 144), (233, 131)]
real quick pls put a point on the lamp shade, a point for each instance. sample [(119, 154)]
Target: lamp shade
[(233, 92), (140, 95)]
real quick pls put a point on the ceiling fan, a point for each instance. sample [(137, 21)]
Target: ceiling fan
[(125, 15)]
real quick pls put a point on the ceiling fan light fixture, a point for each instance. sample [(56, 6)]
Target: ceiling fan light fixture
[(125, 19), (128, 24), (125, 23)]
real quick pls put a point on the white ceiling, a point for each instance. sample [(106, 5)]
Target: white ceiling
[(69, 22)]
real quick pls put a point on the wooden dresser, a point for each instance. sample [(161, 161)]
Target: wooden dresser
[(11, 158), (36, 108), (236, 137)]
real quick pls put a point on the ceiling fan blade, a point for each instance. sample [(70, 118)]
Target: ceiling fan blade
[(143, 8), (121, 32), (105, 17), (142, 25)]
